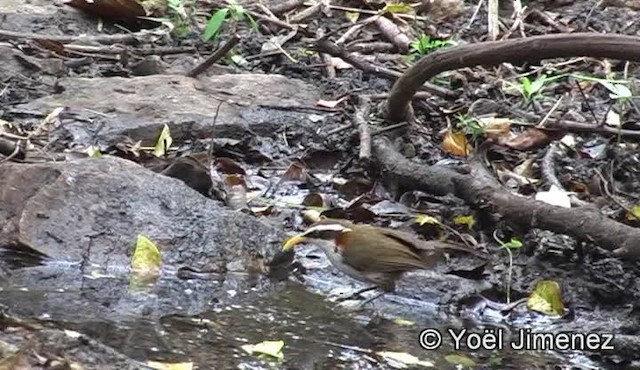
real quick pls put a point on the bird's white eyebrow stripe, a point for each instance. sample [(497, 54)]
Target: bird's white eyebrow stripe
[(328, 227)]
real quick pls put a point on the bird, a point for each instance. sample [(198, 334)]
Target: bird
[(375, 255)]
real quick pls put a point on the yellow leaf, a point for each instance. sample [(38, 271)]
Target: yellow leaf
[(352, 16), (470, 221), (546, 298), (456, 143), (142, 281), (402, 322), (397, 8), (95, 274), (634, 213), (164, 142), (404, 358), (169, 366), (146, 257), (93, 151), (461, 360), (271, 348), (426, 219)]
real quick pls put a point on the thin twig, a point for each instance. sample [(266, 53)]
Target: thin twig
[(340, 129), (549, 174), (326, 58), (213, 136), (605, 188), (350, 32), (331, 48), (493, 19), (390, 128), (475, 14), (373, 12), (115, 49), (103, 39), (275, 21), (553, 109), (218, 54), (16, 153), (362, 113), (284, 6)]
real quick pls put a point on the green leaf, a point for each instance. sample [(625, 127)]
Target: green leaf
[(623, 92), (546, 298), (93, 151), (238, 11), (618, 91), (526, 85), (254, 25), (537, 84), (634, 213), (178, 7), (164, 142), (214, 24), (146, 257), (238, 60), (617, 88), (425, 45), (470, 221), (513, 244)]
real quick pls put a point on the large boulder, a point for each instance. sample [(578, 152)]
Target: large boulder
[(91, 210), (104, 110)]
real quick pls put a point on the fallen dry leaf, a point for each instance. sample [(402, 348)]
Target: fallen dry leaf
[(496, 128), (331, 103), (534, 138), (456, 143)]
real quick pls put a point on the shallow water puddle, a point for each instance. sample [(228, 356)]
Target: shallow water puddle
[(208, 321)]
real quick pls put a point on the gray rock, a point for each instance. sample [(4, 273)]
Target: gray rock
[(45, 17), (91, 211), (105, 109)]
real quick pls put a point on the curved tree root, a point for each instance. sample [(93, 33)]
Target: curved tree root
[(531, 49), (477, 190)]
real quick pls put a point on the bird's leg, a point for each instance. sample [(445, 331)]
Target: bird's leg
[(357, 293), (369, 300)]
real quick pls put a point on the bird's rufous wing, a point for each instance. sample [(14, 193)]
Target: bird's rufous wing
[(365, 249), (430, 247)]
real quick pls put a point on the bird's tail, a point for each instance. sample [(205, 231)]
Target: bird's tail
[(464, 249)]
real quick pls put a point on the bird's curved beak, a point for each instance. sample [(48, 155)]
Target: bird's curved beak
[(293, 241)]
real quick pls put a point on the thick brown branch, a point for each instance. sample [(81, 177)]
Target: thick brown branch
[(581, 223), (531, 49)]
